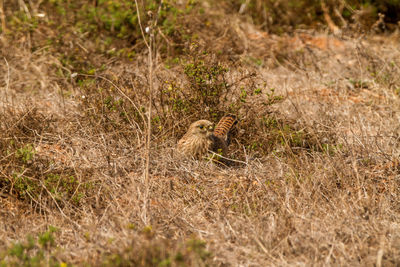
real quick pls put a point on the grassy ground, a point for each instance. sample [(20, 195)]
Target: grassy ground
[(318, 130)]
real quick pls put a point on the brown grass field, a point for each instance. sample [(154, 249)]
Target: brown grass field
[(318, 138)]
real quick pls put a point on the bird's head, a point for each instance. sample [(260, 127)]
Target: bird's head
[(202, 128)]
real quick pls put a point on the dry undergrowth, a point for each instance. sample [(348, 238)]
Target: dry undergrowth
[(319, 131)]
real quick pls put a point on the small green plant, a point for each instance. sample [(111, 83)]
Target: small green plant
[(257, 91), (243, 95), (25, 153), (207, 90), (199, 248), (62, 187), (206, 80), (23, 186), (21, 22), (38, 251), (192, 252), (46, 239), (358, 84), (272, 97)]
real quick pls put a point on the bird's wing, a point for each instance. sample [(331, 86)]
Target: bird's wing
[(224, 126)]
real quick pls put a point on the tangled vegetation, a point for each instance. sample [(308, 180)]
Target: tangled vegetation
[(315, 86)]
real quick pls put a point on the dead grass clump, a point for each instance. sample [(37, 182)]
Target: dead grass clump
[(29, 124), (282, 205), (162, 252), (30, 170)]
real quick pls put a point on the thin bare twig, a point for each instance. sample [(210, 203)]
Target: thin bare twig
[(150, 46), (216, 156), (140, 24), (7, 80), (25, 8), (2, 16)]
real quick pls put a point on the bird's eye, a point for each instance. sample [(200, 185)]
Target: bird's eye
[(201, 126)]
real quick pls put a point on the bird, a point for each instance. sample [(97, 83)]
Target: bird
[(202, 137)]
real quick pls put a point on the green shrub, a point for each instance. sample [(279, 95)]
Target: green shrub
[(40, 251)]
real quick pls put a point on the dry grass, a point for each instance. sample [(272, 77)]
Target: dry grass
[(321, 185)]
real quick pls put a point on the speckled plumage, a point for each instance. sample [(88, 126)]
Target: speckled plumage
[(202, 137)]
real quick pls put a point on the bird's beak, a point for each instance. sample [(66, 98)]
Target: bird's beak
[(210, 130)]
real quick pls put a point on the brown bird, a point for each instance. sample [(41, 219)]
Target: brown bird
[(202, 137)]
